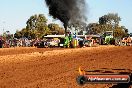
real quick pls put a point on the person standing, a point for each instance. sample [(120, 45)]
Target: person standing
[(1, 43)]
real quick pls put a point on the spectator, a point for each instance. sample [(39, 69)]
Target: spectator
[(1, 43)]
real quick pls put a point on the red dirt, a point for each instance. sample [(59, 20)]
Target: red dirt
[(57, 68)]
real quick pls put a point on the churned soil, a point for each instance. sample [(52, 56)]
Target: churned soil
[(58, 68)]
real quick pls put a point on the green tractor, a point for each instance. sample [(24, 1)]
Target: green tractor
[(66, 42), (109, 38)]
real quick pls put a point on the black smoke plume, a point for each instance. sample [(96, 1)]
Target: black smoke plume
[(67, 11)]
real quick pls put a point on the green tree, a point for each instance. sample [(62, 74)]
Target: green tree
[(18, 34), (37, 26), (109, 22), (119, 32), (113, 18), (125, 29), (103, 20), (93, 28), (55, 29), (36, 22), (110, 18)]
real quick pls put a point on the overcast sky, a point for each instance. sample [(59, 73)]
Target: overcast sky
[(14, 13)]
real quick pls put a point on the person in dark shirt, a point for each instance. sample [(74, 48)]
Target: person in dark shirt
[(1, 43)]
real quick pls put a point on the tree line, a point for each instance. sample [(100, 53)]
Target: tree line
[(109, 22), (37, 27)]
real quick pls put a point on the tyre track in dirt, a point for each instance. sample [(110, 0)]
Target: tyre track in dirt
[(59, 70), (24, 50)]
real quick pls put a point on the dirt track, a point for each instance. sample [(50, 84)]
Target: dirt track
[(53, 68)]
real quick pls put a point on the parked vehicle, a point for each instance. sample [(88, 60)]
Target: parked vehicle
[(88, 43)]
